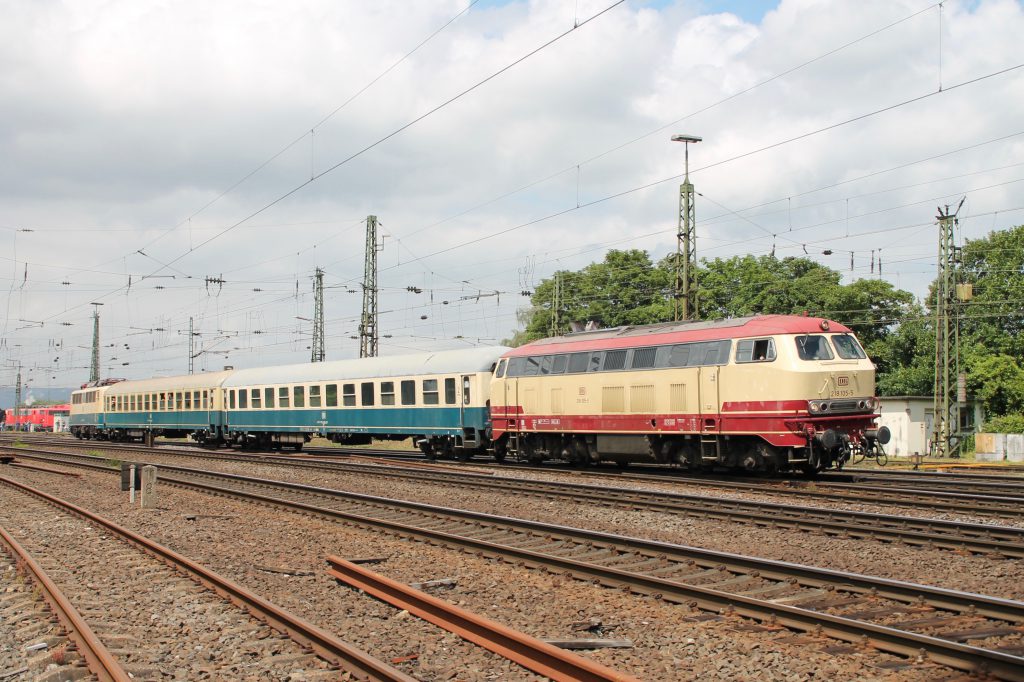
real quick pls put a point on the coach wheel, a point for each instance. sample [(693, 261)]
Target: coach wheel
[(463, 454), (297, 447), (427, 449), (621, 463)]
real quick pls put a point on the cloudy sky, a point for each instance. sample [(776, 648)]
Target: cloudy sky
[(150, 146)]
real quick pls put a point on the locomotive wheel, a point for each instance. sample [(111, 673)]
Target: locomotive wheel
[(500, 451)]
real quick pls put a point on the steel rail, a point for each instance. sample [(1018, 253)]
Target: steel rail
[(1005, 541), (889, 639), (325, 644), (98, 658), (530, 652)]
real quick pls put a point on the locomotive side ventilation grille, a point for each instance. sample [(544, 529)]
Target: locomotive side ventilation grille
[(677, 397), (613, 399), (641, 399)]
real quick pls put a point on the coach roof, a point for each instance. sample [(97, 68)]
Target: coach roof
[(680, 332), (184, 382), (460, 361)]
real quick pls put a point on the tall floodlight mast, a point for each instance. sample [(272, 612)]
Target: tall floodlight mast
[(684, 302), (319, 354), (946, 403), (94, 367), (368, 323)]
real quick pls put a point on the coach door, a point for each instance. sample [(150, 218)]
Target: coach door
[(708, 397)]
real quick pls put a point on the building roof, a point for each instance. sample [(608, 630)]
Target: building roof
[(680, 332)]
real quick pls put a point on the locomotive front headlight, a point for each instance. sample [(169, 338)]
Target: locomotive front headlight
[(814, 406)]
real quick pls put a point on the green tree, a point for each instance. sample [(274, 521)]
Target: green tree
[(624, 289), (994, 317)]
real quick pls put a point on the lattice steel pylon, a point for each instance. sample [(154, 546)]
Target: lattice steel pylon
[(684, 300), (94, 366), (318, 354), (368, 324), (945, 436)]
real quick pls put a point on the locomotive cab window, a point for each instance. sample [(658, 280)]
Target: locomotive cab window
[(643, 358), (578, 362), (813, 347), (545, 364), (499, 371), (532, 366), (847, 347), (558, 367), (614, 359), (516, 366), (755, 350)]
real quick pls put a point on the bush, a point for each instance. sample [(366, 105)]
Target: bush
[(1009, 423)]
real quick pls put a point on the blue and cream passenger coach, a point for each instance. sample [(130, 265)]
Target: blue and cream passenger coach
[(440, 399)]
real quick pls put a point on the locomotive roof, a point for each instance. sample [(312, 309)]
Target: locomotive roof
[(175, 383), (679, 332), (439, 362)]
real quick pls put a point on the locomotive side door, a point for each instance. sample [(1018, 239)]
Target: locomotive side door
[(708, 396)]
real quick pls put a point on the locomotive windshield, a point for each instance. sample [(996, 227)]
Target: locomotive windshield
[(813, 347), (847, 347)]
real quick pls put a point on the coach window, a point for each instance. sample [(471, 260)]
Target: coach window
[(195, 400), (179, 400), (465, 391), (207, 401), (499, 371), (430, 395), (282, 397), (268, 398), (314, 396), (299, 396), (243, 399), (387, 393), (409, 392), (348, 395), (231, 399), (578, 362), (813, 347), (449, 391), (332, 395), (643, 358), (366, 393), (847, 347), (145, 402)]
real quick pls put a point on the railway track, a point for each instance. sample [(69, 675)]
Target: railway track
[(134, 608), (965, 631), (990, 540)]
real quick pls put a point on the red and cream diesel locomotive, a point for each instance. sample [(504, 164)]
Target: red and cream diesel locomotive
[(765, 393)]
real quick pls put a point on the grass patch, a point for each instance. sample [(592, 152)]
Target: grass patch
[(113, 463)]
